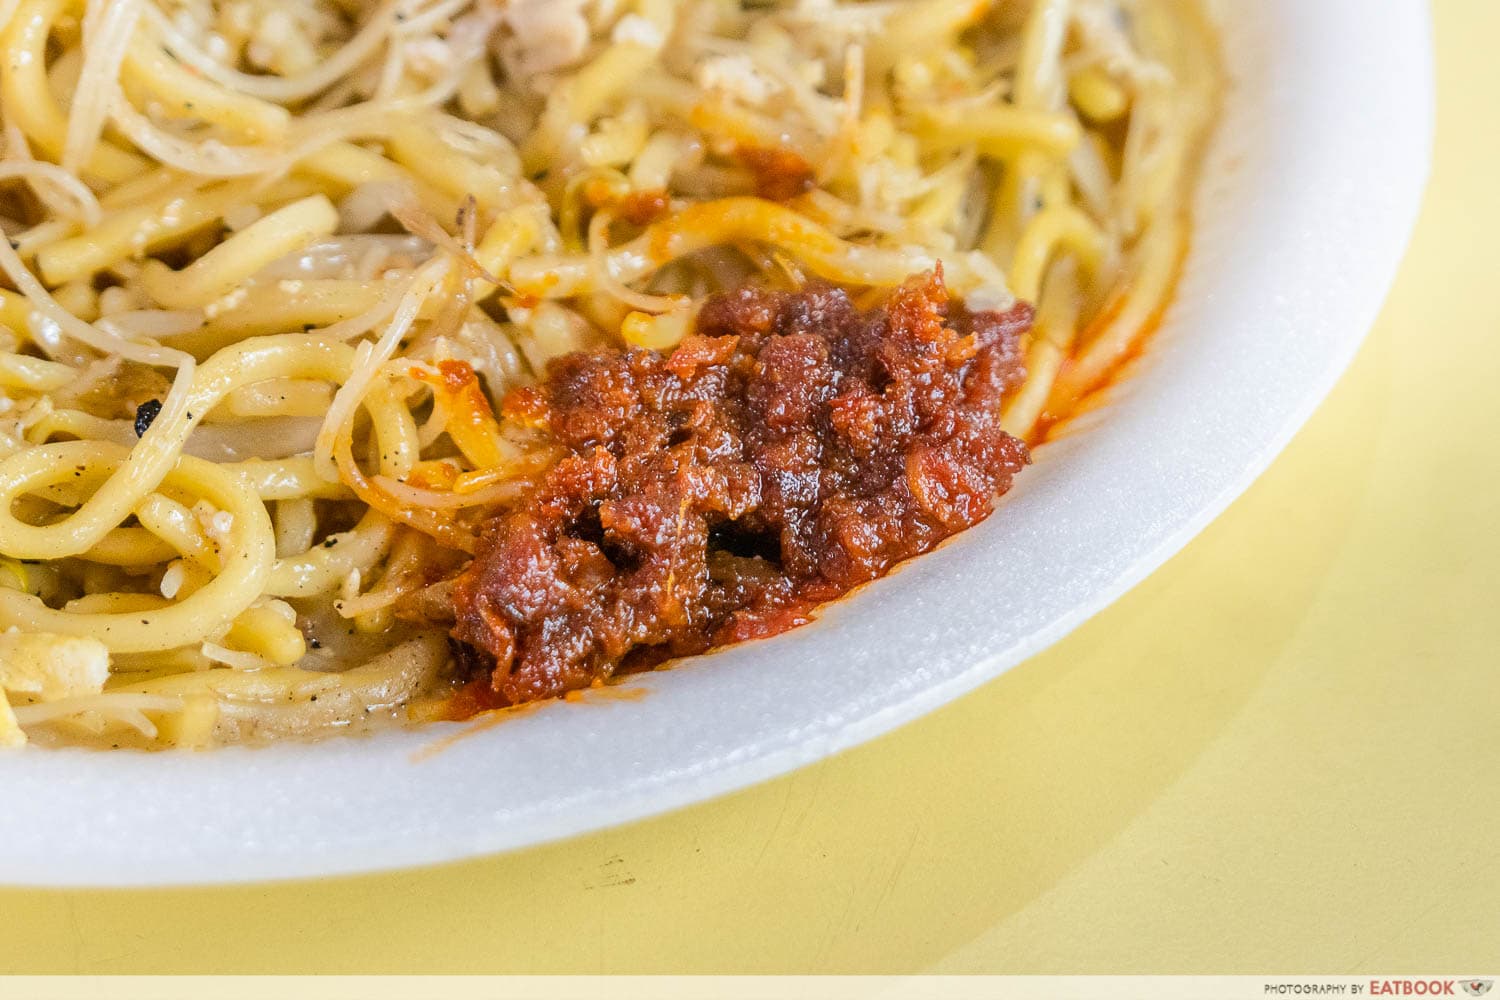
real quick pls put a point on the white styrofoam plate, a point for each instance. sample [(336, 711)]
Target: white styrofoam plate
[(1310, 194)]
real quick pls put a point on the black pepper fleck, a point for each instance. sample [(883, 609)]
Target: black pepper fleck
[(145, 414)]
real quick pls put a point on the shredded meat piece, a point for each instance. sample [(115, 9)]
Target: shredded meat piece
[(543, 36), (780, 174), (645, 207), (791, 449)]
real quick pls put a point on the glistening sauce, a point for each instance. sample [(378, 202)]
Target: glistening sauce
[(790, 450)]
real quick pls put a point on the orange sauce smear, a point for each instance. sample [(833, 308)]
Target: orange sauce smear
[(1056, 423)]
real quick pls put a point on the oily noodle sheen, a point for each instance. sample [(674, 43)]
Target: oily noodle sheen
[(256, 248)]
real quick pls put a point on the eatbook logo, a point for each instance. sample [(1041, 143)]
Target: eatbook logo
[(1477, 987)]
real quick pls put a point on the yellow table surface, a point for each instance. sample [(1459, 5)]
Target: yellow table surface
[(1280, 753)]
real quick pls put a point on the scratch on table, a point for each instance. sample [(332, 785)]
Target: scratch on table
[(612, 873), (819, 774), (786, 801), (900, 866)]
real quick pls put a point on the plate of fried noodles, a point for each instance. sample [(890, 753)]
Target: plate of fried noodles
[(435, 427)]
